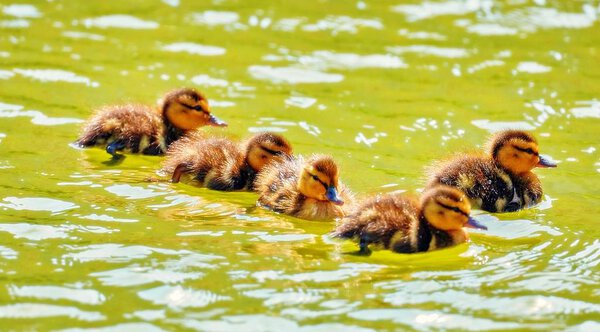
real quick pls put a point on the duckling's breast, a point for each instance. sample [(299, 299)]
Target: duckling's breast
[(529, 188), (443, 239), (318, 210)]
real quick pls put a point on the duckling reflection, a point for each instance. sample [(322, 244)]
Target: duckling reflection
[(308, 189), (221, 164), (500, 182), (402, 224), (142, 129)]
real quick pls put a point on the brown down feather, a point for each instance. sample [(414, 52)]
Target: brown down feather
[(277, 186)]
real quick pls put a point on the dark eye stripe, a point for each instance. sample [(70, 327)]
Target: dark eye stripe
[(317, 179), (528, 150), (195, 108), (273, 152), (453, 208)]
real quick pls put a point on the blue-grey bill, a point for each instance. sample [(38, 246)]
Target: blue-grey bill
[(546, 162), (332, 196), (473, 223), (214, 121)]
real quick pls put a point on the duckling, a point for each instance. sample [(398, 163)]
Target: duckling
[(404, 225), (502, 181), (308, 189), (142, 129), (221, 164)]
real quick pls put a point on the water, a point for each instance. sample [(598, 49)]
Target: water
[(385, 87)]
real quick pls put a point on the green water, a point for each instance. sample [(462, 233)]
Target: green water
[(385, 87)]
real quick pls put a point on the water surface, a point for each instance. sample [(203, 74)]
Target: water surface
[(385, 87)]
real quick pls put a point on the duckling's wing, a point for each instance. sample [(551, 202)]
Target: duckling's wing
[(478, 177)]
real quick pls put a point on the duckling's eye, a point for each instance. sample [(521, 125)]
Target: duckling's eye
[(198, 108), (528, 150), (316, 178)]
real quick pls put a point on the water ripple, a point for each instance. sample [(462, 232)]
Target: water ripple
[(133, 192), (429, 9), (286, 237), (129, 327), (42, 232), (22, 11), (193, 48), (288, 297), (8, 253), (532, 67), (323, 60), (37, 204), (331, 308), (346, 270), (347, 24), (179, 297), (137, 275), (264, 323), (119, 253), (85, 296), (527, 307), (427, 320), (119, 21), (215, 18), (515, 229), (586, 109), (293, 75), (55, 75), (37, 310), (205, 80), (83, 35), (14, 24), (494, 126), (445, 52)]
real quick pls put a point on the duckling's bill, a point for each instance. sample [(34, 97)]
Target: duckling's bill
[(473, 223), (546, 162), (214, 121), (332, 196)]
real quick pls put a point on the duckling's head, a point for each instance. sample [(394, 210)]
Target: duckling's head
[(266, 147), (517, 151), (319, 179), (188, 109), (448, 209)]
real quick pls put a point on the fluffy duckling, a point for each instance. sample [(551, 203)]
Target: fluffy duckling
[(142, 129), (221, 164), (401, 224), (502, 181), (308, 189)]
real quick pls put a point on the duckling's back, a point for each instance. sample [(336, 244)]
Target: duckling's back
[(391, 221), (217, 163), (138, 127), (487, 186)]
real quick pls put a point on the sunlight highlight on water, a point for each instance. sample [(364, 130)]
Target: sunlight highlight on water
[(92, 244)]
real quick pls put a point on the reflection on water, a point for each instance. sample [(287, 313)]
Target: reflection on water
[(385, 87), (293, 75), (54, 75), (193, 48), (19, 10), (119, 21)]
